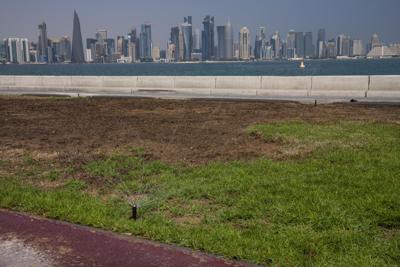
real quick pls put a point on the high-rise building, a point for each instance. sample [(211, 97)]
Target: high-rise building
[(120, 45), (357, 48), (308, 45), (3, 52), (156, 53), (343, 46), (101, 45), (197, 40), (208, 38), (17, 50), (110, 46), (276, 45), (54, 50), (244, 44), (77, 55), (331, 49), (146, 43), (299, 49), (132, 51), (228, 41), (260, 43), (133, 38), (187, 39), (321, 49), (90, 45), (174, 39), (181, 46), (375, 42), (43, 43), (291, 44), (221, 42), (65, 49)]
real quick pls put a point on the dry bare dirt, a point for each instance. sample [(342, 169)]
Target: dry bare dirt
[(76, 130)]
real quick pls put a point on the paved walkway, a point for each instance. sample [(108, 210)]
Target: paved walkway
[(26, 240)]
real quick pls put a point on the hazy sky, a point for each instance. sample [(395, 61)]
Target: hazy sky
[(358, 18)]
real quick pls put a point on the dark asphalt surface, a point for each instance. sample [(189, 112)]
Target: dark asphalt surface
[(72, 245)]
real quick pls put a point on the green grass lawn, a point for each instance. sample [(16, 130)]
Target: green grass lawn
[(334, 200)]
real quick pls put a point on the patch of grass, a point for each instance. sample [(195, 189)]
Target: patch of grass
[(338, 206)]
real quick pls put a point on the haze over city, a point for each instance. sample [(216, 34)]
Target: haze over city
[(357, 18)]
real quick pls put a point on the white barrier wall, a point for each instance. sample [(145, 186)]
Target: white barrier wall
[(346, 87), (237, 85), (155, 82), (339, 86), (297, 86), (386, 86), (195, 84)]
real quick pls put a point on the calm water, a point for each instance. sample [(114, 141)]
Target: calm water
[(278, 68)]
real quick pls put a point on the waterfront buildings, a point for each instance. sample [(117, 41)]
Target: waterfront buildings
[(77, 55), (357, 48), (308, 45), (225, 42), (188, 44), (291, 44), (208, 44), (321, 45), (43, 50), (197, 40), (244, 44), (299, 45), (146, 44), (187, 35), (17, 50), (343, 46), (331, 49)]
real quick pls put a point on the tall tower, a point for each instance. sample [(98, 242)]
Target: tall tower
[(77, 55), (321, 45), (208, 38), (228, 41), (244, 44), (43, 46), (146, 45), (187, 40)]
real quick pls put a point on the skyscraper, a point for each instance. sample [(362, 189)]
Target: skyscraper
[(357, 48), (299, 42), (174, 39), (308, 45), (321, 43), (43, 43), (77, 55), (65, 49), (187, 32), (208, 38), (146, 43), (120, 45), (331, 49), (276, 45), (3, 52), (244, 44), (197, 40), (17, 50), (221, 42), (343, 46), (260, 43), (291, 44), (228, 41)]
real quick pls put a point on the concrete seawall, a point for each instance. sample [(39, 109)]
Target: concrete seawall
[(313, 87)]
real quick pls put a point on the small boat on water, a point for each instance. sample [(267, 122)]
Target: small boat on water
[(302, 65)]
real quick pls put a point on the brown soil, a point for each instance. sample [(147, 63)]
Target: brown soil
[(193, 132)]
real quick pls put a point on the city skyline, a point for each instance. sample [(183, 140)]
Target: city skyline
[(381, 18)]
